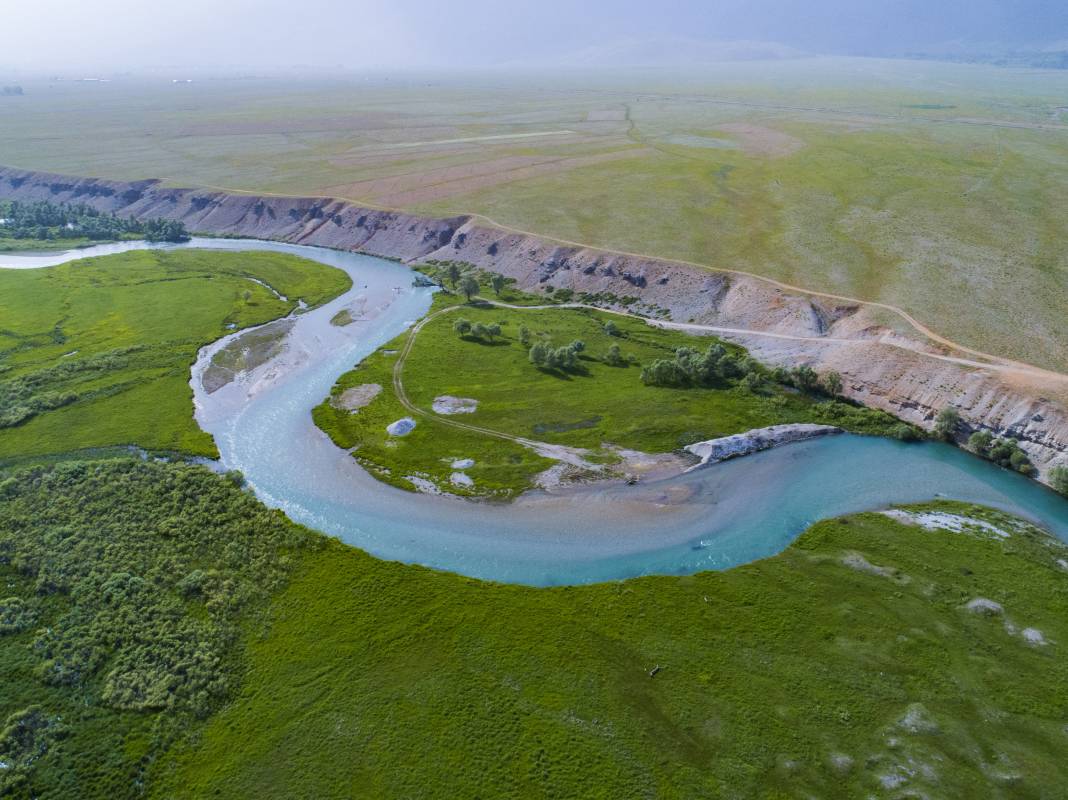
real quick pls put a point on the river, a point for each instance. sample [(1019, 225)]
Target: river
[(715, 518)]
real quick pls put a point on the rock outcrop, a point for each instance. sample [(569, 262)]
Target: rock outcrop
[(743, 444), (905, 373)]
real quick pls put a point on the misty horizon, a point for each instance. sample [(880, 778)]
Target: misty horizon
[(115, 36)]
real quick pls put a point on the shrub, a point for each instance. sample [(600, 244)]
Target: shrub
[(1058, 479), (946, 423)]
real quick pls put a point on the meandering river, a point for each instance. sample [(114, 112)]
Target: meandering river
[(729, 514)]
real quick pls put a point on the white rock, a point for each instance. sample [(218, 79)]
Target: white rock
[(401, 427), (1034, 636), (742, 444), (988, 608), (461, 479)]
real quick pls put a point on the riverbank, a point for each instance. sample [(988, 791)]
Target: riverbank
[(887, 361), (238, 639), (515, 425)]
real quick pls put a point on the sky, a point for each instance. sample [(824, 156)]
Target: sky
[(119, 35)]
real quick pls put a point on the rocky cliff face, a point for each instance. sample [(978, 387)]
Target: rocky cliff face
[(901, 372)]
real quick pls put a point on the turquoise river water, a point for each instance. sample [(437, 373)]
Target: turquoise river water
[(728, 514)]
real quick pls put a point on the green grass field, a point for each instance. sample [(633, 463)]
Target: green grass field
[(96, 353), (931, 186), (848, 666), (596, 406)]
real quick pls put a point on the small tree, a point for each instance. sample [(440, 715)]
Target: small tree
[(479, 331), (614, 357), (452, 272), (539, 354), (524, 335), (946, 423), (578, 345), (611, 329), (497, 281), (832, 384), (805, 378), (1058, 479), (462, 326), (493, 330), (247, 295), (979, 442), (469, 287)]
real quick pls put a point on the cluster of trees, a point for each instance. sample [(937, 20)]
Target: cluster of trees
[(46, 221), (463, 278), (692, 367), (153, 562), (1005, 452), (544, 356), (11, 91), (464, 327)]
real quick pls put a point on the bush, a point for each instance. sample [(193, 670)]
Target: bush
[(946, 423), (1058, 479), (614, 357), (904, 432), (980, 441)]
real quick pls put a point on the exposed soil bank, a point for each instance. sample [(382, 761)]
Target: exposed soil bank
[(906, 374)]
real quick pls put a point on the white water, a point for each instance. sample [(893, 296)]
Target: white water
[(716, 518)]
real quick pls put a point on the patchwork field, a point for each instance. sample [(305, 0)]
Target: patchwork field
[(934, 187)]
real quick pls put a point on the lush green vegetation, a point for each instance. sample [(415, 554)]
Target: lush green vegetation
[(128, 588), (574, 377), (97, 352), (27, 226), (141, 596)]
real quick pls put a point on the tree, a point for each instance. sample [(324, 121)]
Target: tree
[(1058, 479), (564, 358), (452, 272), (524, 335), (805, 378), (462, 326), (611, 329), (832, 384), (946, 423), (493, 330), (497, 281), (479, 331), (539, 354), (469, 286), (578, 345), (247, 295), (979, 442), (614, 358), (754, 381)]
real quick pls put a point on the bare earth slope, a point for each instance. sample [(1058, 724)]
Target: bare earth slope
[(887, 360)]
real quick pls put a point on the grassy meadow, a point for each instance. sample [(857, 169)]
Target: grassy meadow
[(931, 186), (96, 353), (596, 405), (164, 635)]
